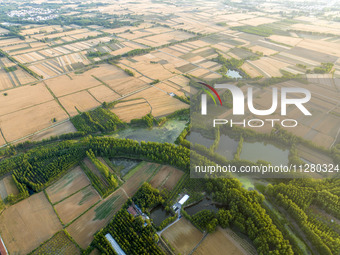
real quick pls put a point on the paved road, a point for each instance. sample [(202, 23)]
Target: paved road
[(160, 232)]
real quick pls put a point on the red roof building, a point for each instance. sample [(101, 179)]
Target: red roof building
[(3, 250), (132, 211)]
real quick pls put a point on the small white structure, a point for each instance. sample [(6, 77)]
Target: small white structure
[(172, 94), (176, 207), (114, 245), (183, 199)]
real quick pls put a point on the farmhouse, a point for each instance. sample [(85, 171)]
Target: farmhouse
[(132, 211), (135, 211), (114, 245), (3, 250), (177, 207)]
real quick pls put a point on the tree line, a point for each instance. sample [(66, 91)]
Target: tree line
[(298, 195), (134, 235), (38, 167), (243, 211), (97, 120), (239, 209)]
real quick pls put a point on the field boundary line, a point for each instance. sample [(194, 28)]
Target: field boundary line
[(165, 180), (16, 78), (81, 165), (25, 108), (35, 133), (115, 107), (55, 211), (197, 66), (275, 44), (132, 93), (173, 223), (132, 171), (92, 206), (71, 195), (104, 83), (335, 139), (80, 215), (135, 71), (2, 134), (88, 91), (158, 168), (43, 243), (259, 69), (199, 243), (56, 98), (2, 65), (243, 245), (126, 194), (82, 90), (132, 99), (166, 245)]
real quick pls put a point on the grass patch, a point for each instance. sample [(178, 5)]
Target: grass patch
[(274, 211), (301, 244), (86, 194), (71, 195), (103, 210), (134, 170)]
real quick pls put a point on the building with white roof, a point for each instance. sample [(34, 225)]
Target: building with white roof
[(183, 199), (114, 245)]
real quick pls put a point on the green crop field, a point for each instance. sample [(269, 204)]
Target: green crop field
[(59, 244)]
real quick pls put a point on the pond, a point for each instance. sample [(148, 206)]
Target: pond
[(158, 215), (204, 204), (227, 147), (261, 151), (166, 133), (252, 151), (234, 74), (124, 165), (196, 137)]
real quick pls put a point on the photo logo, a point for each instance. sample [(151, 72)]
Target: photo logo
[(239, 100), (288, 96), (204, 96)]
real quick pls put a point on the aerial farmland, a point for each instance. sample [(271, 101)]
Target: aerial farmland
[(69, 61), (102, 126)]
